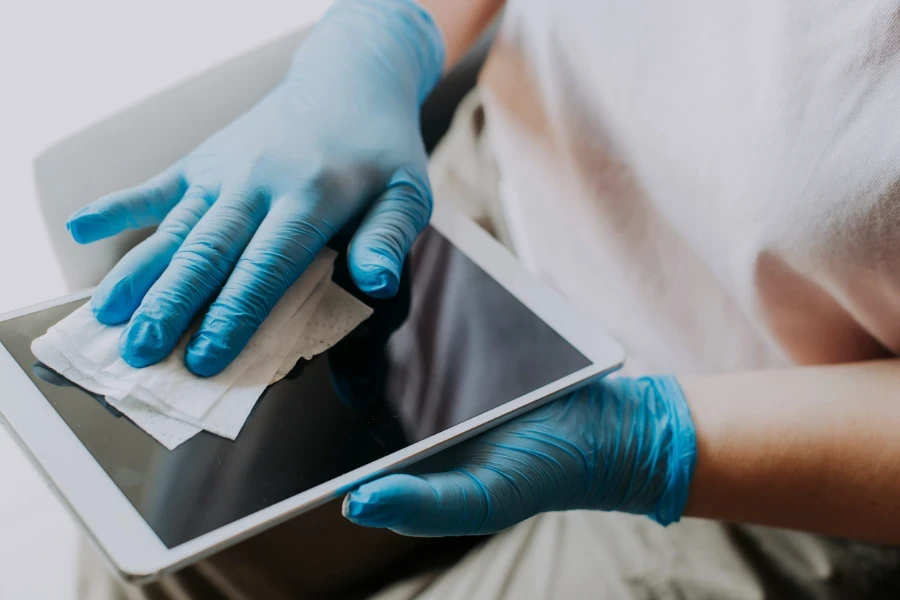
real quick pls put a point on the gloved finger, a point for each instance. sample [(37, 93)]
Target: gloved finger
[(283, 247), (124, 287), (387, 233), (141, 206), (460, 502), (196, 272)]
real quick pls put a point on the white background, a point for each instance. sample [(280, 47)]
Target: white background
[(63, 66)]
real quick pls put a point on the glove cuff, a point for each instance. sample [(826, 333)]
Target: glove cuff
[(414, 37), (682, 454), (431, 49)]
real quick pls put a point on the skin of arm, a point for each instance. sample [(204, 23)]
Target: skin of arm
[(461, 22), (810, 448)]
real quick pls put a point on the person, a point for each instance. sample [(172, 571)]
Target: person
[(715, 183)]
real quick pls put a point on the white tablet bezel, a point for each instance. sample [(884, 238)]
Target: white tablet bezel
[(125, 538)]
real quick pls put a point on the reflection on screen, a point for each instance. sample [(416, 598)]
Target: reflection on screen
[(451, 345)]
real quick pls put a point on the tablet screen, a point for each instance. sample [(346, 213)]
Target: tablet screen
[(450, 346)]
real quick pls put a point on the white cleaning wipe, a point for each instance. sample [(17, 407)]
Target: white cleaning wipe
[(337, 314), (172, 404), (227, 415), (93, 349), (169, 432)]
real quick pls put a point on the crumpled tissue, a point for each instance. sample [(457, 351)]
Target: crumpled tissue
[(172, 404)]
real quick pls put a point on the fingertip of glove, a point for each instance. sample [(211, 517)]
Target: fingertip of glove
[(79, 227), (108, 310), (377, 281), (87, 225), (206, 357), (385, 502), (353, 508), (143, 343)]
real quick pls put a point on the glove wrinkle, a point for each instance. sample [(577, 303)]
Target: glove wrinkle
[(616, 445)]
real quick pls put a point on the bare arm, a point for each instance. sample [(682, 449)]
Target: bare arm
[(461, 22), (812, 448)]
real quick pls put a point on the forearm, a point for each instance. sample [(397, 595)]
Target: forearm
[(815, 448), (461, 22)]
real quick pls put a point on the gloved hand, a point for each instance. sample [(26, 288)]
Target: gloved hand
[(242, 215), (617, 445)]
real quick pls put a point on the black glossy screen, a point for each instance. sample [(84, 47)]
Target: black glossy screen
[(451, 345)]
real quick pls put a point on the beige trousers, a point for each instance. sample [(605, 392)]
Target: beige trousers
[(623, 557), (555, 555)]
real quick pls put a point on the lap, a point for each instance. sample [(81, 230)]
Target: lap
[(623, 557), (555, 555), (318, 554)]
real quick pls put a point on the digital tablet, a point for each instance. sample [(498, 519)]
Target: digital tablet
[(472, 339)]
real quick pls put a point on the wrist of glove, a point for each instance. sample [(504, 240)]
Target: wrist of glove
[(618, 445), (388, 36)]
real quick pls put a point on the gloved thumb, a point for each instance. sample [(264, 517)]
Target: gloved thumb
[(451, 503), (387, 233)]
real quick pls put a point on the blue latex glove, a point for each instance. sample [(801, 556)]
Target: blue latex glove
[(242, 216), (618, 445)]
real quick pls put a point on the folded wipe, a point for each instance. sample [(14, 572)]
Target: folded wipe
[(171, 403)]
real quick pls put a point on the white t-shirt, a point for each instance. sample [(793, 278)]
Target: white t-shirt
[(718, 183)]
